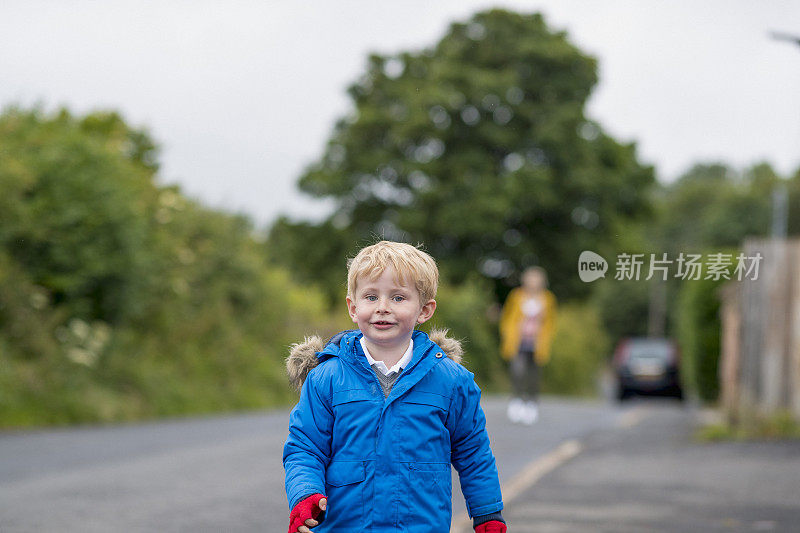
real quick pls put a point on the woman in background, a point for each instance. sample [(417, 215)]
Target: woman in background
[(527, 324)]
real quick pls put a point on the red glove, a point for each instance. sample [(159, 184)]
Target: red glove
[(492, 526), (305, 509)]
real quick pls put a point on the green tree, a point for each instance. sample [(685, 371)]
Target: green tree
[(711, 206), (704, 207), (793, 190), (316, 253), (73, 213), (480, 148), (122, 299)]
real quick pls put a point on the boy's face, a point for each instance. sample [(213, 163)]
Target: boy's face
[(386, 310)]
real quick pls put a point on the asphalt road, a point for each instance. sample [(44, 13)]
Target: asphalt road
[(225, 474), (652, 475)]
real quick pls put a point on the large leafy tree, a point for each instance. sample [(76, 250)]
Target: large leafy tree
[(480, 148), (75, 205)]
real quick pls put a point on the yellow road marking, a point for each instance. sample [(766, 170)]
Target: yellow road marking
[(632, 417), (528, 477), (538, 468)]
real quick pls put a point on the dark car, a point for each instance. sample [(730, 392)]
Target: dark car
[(647, 366)]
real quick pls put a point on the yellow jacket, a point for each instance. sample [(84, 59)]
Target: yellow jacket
[(511, 320)]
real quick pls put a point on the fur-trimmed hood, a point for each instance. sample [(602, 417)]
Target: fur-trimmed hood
[(303, 356)]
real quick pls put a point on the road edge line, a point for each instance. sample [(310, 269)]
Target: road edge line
[(530, 474), (538, 468), (632, 417)]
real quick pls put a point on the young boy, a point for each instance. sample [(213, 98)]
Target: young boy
[(383, 413)]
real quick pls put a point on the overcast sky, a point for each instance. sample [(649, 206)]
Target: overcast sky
[(243, 95)]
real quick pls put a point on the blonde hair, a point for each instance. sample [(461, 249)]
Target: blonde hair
[(411, 265)]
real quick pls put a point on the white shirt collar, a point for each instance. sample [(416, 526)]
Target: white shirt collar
[(380, 365)]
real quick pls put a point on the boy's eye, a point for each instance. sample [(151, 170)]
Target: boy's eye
[(371, 297), (398, 298)]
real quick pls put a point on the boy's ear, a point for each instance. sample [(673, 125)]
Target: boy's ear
[(351, 309), (427, 311)]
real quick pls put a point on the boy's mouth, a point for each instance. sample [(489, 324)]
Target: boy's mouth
[(382, 323)]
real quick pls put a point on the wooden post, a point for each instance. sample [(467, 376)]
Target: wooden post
[(774, 348), (766, 362), (793, 359), (754, 305), (731, 325)]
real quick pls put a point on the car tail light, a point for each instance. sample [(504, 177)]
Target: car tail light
[(621, 354), (675, 355)]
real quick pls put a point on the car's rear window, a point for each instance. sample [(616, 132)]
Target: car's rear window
[(650, 350)]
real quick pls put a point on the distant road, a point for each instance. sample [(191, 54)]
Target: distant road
[(224, 473)]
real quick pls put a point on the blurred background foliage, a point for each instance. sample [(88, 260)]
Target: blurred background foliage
[(121, 298), (580, 349)]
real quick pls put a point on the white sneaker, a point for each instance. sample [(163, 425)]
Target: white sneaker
[(529, 413), (515, 410)]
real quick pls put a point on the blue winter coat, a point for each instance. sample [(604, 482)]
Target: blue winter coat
[(384, 463)]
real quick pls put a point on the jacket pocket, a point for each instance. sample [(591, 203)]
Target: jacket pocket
[(427, 398), (439, 474), (341, 473), (355, 418), (351, 395), (344, 486), (421, 427), (429, 504)]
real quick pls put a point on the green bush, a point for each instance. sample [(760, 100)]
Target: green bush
[(778, 426), (580, 349), (698, 328), (623, 307), (466, 311), (121, 299)]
